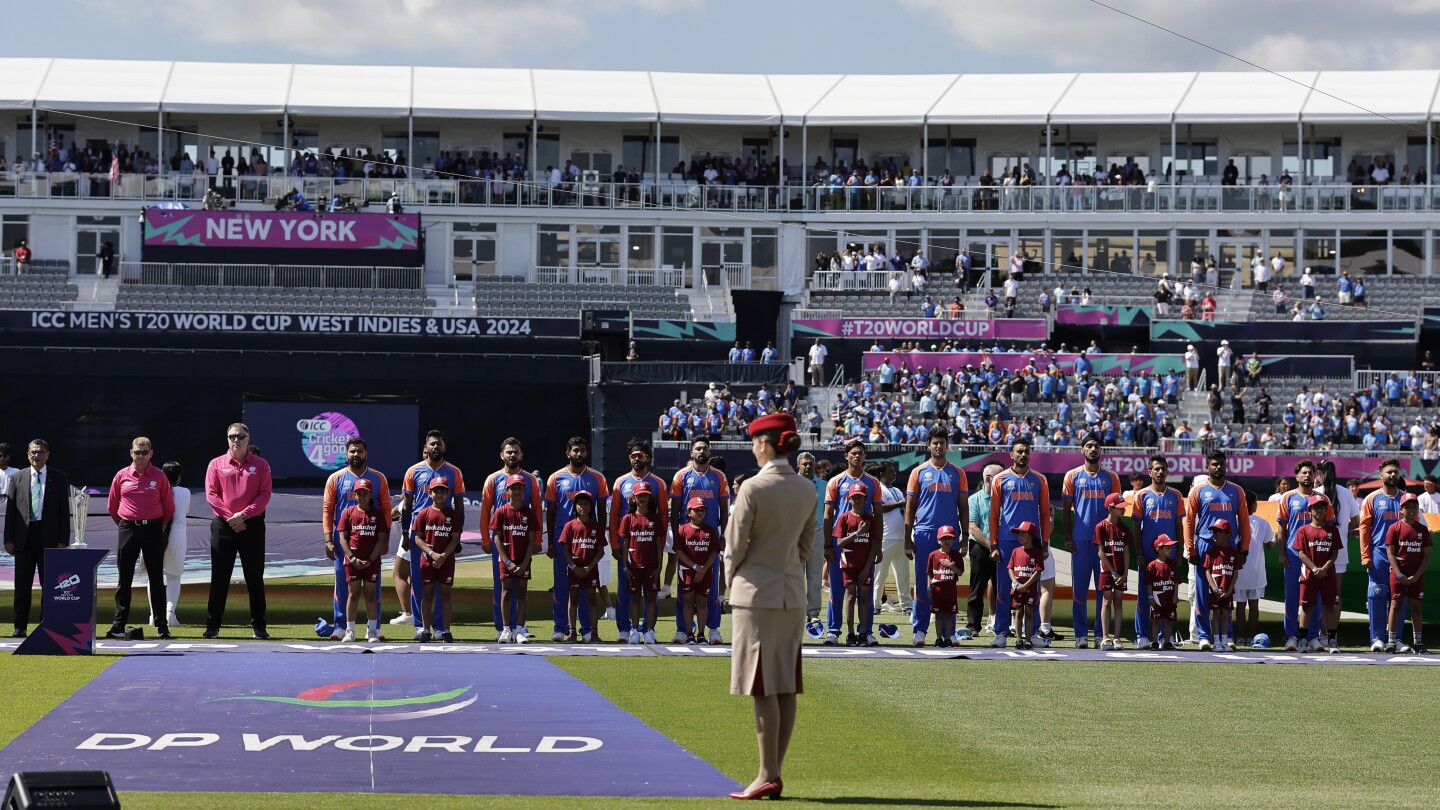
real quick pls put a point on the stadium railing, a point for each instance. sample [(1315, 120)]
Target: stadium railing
[(1363, 379), (263, 275), (682, 194), (624, 276)]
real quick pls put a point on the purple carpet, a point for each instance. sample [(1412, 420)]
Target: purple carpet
[(343, 723)]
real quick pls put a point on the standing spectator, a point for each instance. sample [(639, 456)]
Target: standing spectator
[(1278, 297), (1192, 367), (894, 285), (769, 355), (1254, 366), (747, 354), (1358, 293), (8, 471), (733, 356), (176, 543), (1225, 358), (982, 581), (1012, 292), (38, 518), (22, 258), (237, 487), (963, 263), (107, 258), (892, 555), (1345, 288), (1429, 500), (142, 505), (815, 565), (1307, 285), (1163, 296)]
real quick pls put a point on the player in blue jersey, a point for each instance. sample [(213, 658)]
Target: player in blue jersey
[(1292, 514), (1213, 500), (1159, 510), (622, 502), (837, 503), (1017, 495), (1082, 508), (937, 495), (1379, 511), (415, 496), (560, 491), (339, 495), (494, 494), (700, 480)]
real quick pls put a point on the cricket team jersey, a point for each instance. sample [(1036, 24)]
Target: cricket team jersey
[(493, 495), (1087, 492), (1378, 513), (339, 495), (1293, 513), (622, 496), (1016, 498), (1159, 513), (561, 487), (1208, 503), (937, 492), (417, 480), (710, 486)]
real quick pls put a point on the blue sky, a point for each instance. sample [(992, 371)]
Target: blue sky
[(746, 36)]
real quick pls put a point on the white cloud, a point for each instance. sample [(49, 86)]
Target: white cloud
[(479, 32), (1275, 34)]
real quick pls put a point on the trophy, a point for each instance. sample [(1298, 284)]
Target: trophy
[(79, 514)]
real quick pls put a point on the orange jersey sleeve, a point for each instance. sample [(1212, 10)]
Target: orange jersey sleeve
[(1242, 510), (1192, 508), (912, 487), (1367, 527), (550, 496), (724, 485), (382, 498), (677, 484), (1045, 516), (537, 506), (487, 507), (995, 489), (327, 506)]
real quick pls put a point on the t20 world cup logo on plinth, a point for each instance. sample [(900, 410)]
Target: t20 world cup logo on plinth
[(323, 438)]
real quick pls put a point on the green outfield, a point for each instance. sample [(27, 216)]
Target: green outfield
[(964, 733)]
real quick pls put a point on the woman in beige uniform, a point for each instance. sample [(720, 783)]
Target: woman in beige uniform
[(768, 540)]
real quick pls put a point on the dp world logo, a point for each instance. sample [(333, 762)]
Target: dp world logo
[(323, 438), (361, 701), (65, 587)]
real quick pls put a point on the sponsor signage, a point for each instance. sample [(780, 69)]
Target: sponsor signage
[(287, 230), (922, 328), (276, 323)]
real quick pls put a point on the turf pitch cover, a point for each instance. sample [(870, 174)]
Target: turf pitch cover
[(519, 725)]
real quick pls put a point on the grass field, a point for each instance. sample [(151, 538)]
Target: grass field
[(957, 733)]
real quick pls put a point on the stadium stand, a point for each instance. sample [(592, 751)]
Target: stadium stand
[(175, 298), (46, 287), (512, 295)]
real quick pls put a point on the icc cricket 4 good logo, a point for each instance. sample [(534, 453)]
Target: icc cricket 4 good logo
[(323, 438)]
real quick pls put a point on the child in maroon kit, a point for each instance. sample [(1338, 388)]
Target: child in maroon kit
[(514, 531), (366, 533), (436, 532), (1408, 544), (1219, 567), (640, 560), (857, 559), (944, 568), (582, 541), (696, 548), (1114, 541), (1160, 573), (1317, 544), (1026, 564)]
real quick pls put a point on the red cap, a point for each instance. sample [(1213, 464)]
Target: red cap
[(1114, 499), (514, 479), (1317, 500), (946, 531), (1222, 525), (1027, 526), (695, 503), (1408, 497), (438, 483), (861, 491), (1164, 540), (363, 483), (642, 488), (782, 422)]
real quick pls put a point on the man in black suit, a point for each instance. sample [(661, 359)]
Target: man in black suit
[(38, 517)]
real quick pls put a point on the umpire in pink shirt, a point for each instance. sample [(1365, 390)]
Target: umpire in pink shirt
[(237, 485), (142, 505)]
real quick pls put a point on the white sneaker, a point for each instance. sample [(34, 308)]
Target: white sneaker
[(999, 641), (990, 626), (558, 637), (1222, 646), (172, 620), (1292, 644), (918, 639), (521, 635), (505, 637), (831, 639), (372, 634), (1082, 643), (349, 635), (714, 637), (649, 636), (680, 637), (1205, 645), (1404, 649), (871, 640), (609, 615), (587, 637), (1038, 640), (1141, 642), (403, 618), (635, 637), (1377, 646), (1315, 645), (664, 592), (956, 638)]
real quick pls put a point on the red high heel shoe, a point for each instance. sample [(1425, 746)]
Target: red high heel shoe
[(769, 790)]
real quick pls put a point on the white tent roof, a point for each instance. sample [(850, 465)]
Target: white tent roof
[(594, 95), (1405, 95), (494, 93), (715, 98), (744, 99), (987, 98), (897, 100), (1254, 96), (799, 94), (20, 80), (350, 90), (104, 86), (1131, 98), (209, 87)]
